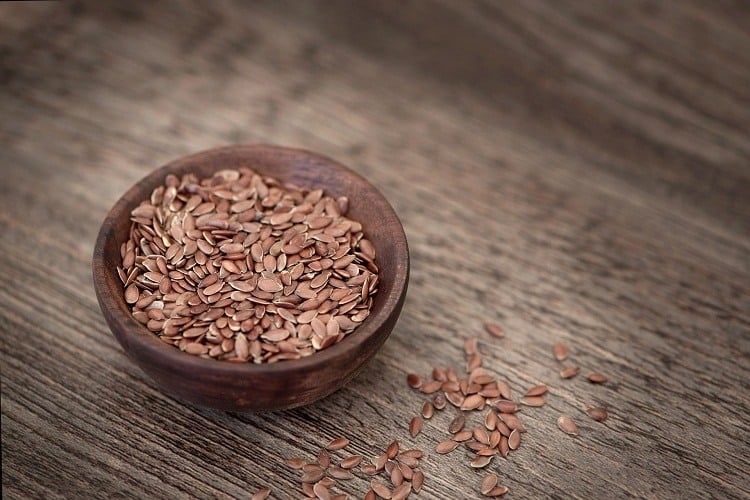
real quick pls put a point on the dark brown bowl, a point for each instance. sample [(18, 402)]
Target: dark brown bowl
[(247, 386)]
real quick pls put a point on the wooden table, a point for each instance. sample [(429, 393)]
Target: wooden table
[(576, 171)]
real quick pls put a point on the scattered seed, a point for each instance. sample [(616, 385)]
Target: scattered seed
[(340, 473), (597, 378), (480, 461), (324, 459), (431, 387), (321, 491), (337, 444), (506, 406), (598, 414), (415, 426), (446, 446), (537, 390), (488, 483), (380, 489), (456, 424), (569, 371), (439, 401), (514, 440), (392, 449), (295, 463), (494, 329), (567, 425), (401, 492), (261, 494), (535, 401), (350, 462), (414, 381), (417, 481), (462, 436), (497, 491), (370, 495), (312, 476), (428, 410), (561, 351)]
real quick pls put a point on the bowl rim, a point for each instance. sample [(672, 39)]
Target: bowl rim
[(108, 286)]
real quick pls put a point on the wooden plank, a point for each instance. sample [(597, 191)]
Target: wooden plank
[(574, 172)]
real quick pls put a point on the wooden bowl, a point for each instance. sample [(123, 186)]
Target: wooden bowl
[(248, 387)]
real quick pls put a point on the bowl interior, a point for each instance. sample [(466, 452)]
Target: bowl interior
[(303, 168)]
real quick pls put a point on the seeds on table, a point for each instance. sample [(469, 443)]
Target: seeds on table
[(569, 371), (494, 329), (337, 444), (415, 426), (597, 378), (567, 425), (598, 414), (245, 256), (560, 350)]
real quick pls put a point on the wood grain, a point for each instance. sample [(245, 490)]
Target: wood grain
[(574, 171)]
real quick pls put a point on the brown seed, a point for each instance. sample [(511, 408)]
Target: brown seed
[(480, 462), (340, 473), (597, 378), (503, 447), (537, 390), (351, 462), (494, 329), (412, 454), (321, 492), (370, 495), (506, 406), (414, 381), (131, 294), (431, 387), (439, 401), (417, 481), (534, 401), (392, 449), (397, 478), (561, 351), (488, 483), (427, 410), (497, 491), (295, 463), (455, 398), (598, 414), (415, 426), (457, 424), (567, 425), (490, 420), (495, 437), (261, 494), (481, 435), (401, 492), (381, 461), (312, 476), (368, 469), (324, 459), (512, 422), (473, 402), (337, 444), (380, 489), (504, 388), (446, 446), (438, 374), (569, 371), (462, 436), (409, 461), (514, 440)]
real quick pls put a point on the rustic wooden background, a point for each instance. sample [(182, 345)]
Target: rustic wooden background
[(573, 170)]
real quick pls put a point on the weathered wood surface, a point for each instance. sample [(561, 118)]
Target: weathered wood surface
[(574, 170)]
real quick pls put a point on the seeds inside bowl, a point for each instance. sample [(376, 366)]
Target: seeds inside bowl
[(243, 268)]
